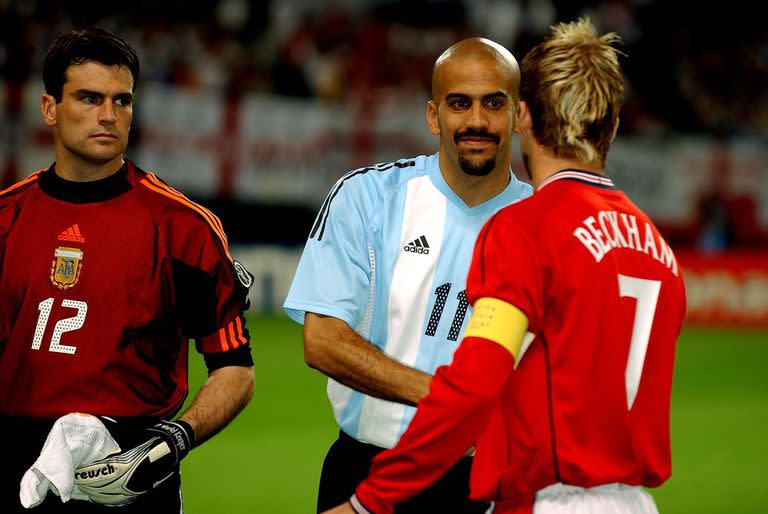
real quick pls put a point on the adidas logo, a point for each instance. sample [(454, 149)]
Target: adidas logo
[(418, 245), (72, 234)]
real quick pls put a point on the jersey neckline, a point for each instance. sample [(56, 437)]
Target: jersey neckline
[(84, 192), (508, 195), (586, 177)]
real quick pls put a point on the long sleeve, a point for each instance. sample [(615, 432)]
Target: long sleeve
[(447, 423)]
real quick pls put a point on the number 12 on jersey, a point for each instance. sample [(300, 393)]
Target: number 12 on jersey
[(646, 292), (63, 325)]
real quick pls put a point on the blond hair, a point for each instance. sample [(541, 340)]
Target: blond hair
[(573, 86)]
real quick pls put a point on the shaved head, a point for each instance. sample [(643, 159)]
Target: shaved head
[(476, 49), (474, 108)]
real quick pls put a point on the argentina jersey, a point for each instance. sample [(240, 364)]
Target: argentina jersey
[(389, 254)]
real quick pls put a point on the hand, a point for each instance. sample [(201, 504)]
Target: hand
[(344, 508), (120, 478)]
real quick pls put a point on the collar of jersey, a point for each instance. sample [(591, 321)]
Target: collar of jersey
[(507, 196), (83, 192), (586, 177)]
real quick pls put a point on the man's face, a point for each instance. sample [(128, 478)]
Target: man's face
[(94, 115), (474, 113)]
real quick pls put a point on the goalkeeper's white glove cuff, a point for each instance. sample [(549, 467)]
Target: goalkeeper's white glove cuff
[(178, 434)]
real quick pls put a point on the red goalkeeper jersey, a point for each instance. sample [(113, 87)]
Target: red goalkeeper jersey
[(587, 402), (101, 286)]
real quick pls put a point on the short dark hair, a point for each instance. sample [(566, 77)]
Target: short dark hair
[(82, 45)]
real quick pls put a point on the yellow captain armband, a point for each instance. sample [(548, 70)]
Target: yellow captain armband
[(498, 321)]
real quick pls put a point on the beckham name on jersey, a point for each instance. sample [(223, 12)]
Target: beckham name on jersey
[(610, 229)]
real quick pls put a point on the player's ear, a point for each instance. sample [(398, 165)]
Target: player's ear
[(48, 108), (615, 128), (524, 122), (432, 122)]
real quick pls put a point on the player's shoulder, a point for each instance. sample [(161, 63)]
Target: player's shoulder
[(382, 176), (526, 215), (12, 194), (522, 189), (168, 205), (364, 190), (158, 195), (543, 205), (520, 208)]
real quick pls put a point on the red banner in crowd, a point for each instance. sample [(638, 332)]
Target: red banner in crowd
[(726, 288)]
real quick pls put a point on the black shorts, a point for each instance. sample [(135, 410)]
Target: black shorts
[(349, 460), (23, 439)]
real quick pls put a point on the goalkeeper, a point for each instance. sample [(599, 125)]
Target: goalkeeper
[(106, 273)]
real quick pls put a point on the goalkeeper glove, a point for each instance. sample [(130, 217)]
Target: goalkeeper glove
[(120, 478)]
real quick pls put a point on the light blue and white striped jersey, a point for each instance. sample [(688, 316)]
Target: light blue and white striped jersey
[(389, 254)]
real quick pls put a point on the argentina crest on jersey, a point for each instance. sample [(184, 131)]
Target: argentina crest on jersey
[(66, 267)]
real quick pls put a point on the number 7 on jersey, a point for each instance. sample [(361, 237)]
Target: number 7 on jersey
[(646, 292)]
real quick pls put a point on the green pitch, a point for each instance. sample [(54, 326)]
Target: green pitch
[(268, 460)]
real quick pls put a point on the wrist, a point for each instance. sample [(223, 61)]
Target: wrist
[(358, 506), (365, 500), (188, 431), (178, 434)]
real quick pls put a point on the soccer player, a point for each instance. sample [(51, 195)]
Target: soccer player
[(562, 380), (105, 274), (381, 284)]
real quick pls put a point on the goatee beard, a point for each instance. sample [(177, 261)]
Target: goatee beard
[(485, 167), (477, 170)]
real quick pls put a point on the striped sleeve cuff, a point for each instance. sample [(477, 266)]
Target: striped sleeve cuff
[(229, 337)]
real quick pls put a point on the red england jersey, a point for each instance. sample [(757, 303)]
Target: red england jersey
[(102, 284), (587, 402)]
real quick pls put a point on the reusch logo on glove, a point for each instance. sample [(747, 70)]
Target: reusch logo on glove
[(94, 473)]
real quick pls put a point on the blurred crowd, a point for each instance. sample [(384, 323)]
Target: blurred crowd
[(690, 67)]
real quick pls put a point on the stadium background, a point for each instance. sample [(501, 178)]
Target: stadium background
[(255, 108)]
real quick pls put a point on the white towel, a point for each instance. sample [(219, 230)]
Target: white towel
[(75, 439)]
